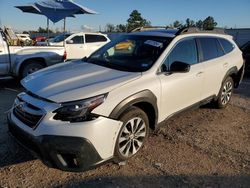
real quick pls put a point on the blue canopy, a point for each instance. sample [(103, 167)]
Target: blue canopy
[(56, 10)]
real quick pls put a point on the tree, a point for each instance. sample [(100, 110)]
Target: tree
[(177, 24), (199, 24), (189, 23), (120, 28), (110, 28), (42, 30), (136, 20), (209, 23)]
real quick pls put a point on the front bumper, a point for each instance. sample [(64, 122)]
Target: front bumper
[(63, 152), (67, 146)]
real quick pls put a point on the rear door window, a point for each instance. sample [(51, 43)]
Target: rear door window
[(210, 48), (228, 46), (95, 38)]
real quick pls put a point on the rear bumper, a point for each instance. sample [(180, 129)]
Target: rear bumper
[(62, 152)]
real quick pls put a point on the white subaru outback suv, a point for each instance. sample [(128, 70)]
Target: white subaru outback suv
[(78, 115)]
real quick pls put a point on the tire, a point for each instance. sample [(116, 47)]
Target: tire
[(225, 94), (131, 138), (30, 67)]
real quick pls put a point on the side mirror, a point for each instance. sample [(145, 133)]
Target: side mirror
[(69, 41), (179, 67), (85, 59)]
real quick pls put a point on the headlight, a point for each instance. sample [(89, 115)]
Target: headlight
[(79, 110)]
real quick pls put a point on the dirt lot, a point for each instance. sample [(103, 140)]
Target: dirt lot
[(201, 148)]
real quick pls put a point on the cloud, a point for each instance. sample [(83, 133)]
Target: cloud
[(86, 27)]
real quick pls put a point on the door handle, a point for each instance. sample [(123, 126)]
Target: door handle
[(199, 74), (1, 51)]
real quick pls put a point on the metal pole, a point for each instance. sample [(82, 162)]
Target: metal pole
[(47, 29), (64, 31)]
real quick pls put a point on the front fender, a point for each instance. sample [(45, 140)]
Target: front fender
[(142, 96), (20, 60)]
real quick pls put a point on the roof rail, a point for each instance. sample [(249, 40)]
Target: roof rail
[(187, 30), (146, 28)]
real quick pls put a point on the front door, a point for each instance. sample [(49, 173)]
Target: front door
[(75, 49), (181, 90)]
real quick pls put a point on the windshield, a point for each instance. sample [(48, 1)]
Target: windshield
[(133, 53), (60, 38)]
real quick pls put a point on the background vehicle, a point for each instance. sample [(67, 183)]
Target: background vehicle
[(81, 44), (246, 54), (19, 61), (88, 112), (58, 40), (24, 38), (39, 39)]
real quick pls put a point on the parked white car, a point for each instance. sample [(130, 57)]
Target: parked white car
[(24, 37), (81, 44), (78, 115)]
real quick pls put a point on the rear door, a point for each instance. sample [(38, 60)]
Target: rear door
[(93, 42), (181, 90), (215, 65), (4, 57)]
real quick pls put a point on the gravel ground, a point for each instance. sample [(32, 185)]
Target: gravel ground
[(205, 147)]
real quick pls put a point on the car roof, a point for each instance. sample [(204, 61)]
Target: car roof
[(156, 33)]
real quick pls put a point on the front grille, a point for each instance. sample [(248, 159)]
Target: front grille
[(28, 114)]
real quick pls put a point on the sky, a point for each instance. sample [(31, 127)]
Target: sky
[(227, 13)]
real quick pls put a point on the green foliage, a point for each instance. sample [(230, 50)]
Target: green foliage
[(121, 28), (209, 23), (199, 24), (42, 30), (110, 28), (177, 24), (136, 20), (189, 23), (206, 24)]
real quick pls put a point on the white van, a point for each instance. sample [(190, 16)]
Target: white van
[(81, 44)]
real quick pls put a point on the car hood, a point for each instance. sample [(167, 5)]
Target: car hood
[(77, 80)]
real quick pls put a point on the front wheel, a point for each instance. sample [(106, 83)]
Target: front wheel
[(29, 68), (225, 94), (133, 133)]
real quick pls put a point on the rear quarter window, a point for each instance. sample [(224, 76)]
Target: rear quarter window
[(95, 38), (227, 46)]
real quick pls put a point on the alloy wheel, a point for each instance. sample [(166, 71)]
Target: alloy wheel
[(131, 137), (226, 93)]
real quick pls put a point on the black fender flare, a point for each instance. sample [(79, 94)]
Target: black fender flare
[(142, 96), (236, 74), (231, 71)]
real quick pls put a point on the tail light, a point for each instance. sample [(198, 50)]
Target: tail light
[(64, 55)]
